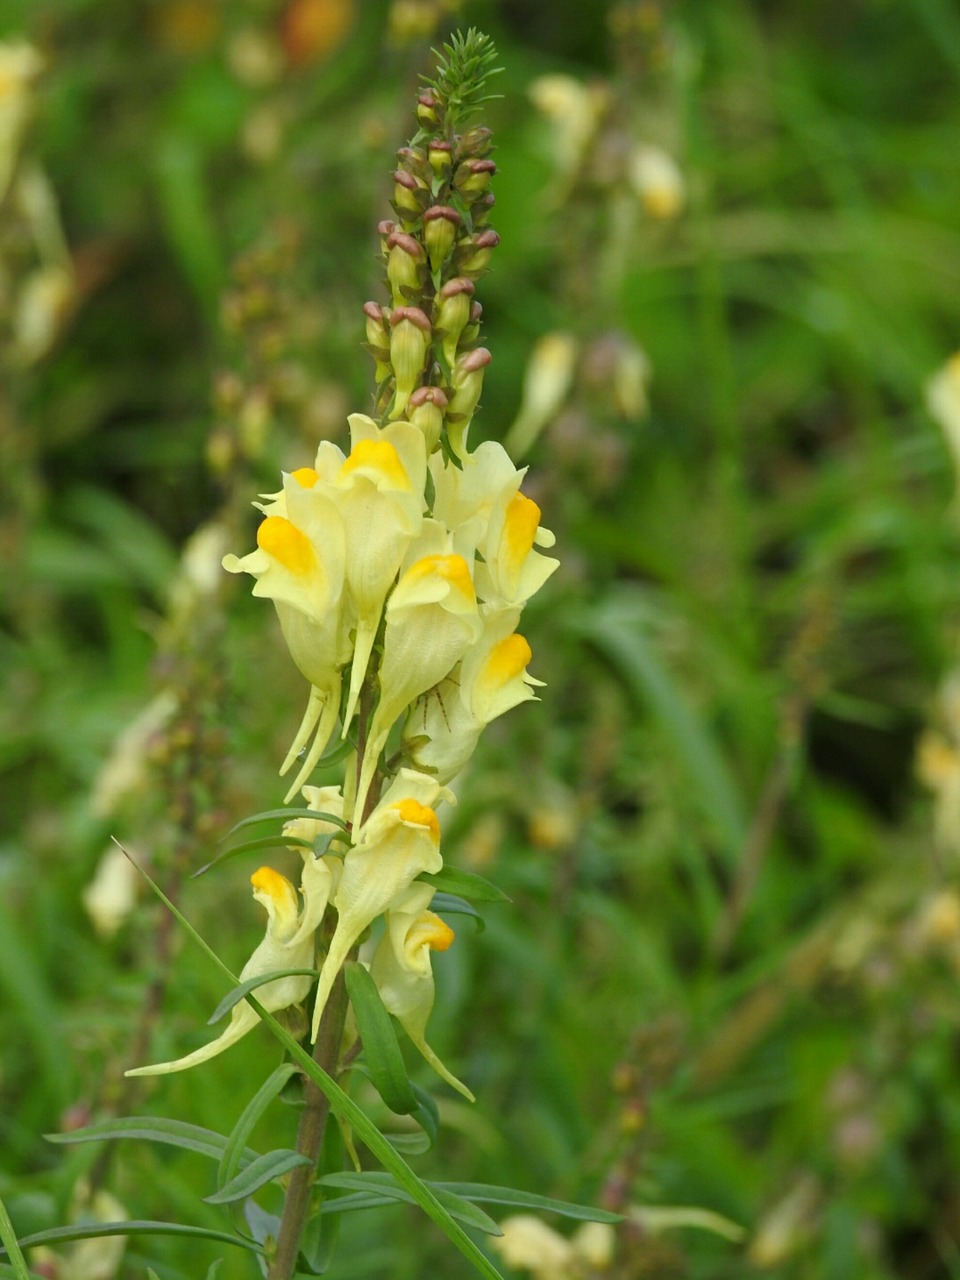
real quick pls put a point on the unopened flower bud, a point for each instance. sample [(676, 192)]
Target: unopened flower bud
[(427, 110), (409, 344), (415, 162), (405, 260), (467, 383), (440, 225), (378, 338), (439, 153), (473, 253), (425, 409), (471, 330), (473, 177), (475, 144), (481, 209), (452, 312), (409, 197), (385, 229)]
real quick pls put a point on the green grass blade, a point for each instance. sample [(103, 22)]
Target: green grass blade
[(8, 1237), (478, 1192), (231, 1160), (138, 1227)]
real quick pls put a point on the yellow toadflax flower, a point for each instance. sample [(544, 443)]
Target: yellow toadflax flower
[(278, 895), (403, 973), (399, 841)]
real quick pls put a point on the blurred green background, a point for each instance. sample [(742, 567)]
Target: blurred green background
[(727, 979)]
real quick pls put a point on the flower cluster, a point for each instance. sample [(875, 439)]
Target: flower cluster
[(399, 571)]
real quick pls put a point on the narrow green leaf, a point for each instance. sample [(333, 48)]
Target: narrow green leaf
[(464, 884), (479, 1192), (8, 1237), (386, 1185), (381, 1049), (279, 841), (319, 1244), (448, 904), (175, 1133), (286, 815), (427, 1114), (230, 1161), (239, 993), (346, 1109), (273, 1164), (96, 1230)]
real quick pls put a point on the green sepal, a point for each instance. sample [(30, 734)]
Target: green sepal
[(464, 884), (381, 1048)]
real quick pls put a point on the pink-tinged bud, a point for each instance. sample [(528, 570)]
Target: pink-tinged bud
[(410, 198), (425, 409), (467, 383), (385, 229), (427, 110), (409, 345), (378, 338), (471, 330), (415, 162), (452, 313), (473, 177), (440, 225), (475, 143), (439, 154), (481, 209), (405, 262), (473, 253)]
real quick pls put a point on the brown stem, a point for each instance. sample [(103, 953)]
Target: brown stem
[(313, 1122), (326, 1053)]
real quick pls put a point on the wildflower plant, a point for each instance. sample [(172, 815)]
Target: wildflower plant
[(399, 571)]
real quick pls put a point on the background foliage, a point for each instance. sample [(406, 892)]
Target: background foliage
[(727, 978)]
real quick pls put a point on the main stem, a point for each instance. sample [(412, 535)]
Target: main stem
[(313, 1123), (326, 1054)]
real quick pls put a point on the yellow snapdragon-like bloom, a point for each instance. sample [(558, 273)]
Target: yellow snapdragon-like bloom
[(403, 973), (399, 841), (278, 895), (443, 727), (378, 491), (432, 618), (300, 564), (320, 876)]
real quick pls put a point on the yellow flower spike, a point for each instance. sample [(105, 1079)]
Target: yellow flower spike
[(402, 970), (432, 619), (400, 840), (276, 951)]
